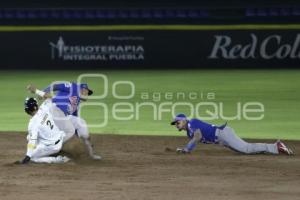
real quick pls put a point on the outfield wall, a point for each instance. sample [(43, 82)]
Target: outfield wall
[(150, 46)]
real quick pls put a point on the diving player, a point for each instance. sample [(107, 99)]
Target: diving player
[(199, 131)]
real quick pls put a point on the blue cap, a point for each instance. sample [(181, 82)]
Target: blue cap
[(178, 117), (85, 86)]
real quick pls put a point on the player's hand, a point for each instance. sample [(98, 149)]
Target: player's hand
[(22, 162), (182, 150), (31, 88), (26, 160)]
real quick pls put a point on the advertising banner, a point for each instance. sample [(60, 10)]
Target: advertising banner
[(150, 49)]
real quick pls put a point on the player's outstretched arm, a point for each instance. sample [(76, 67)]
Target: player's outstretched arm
[(31, 88), (192, 143), (31, 145)]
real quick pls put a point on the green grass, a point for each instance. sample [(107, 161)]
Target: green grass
[(277, 90)]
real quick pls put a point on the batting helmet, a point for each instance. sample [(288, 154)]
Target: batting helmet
[(30, 105)]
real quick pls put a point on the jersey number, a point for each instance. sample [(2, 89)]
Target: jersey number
[(49, 124)]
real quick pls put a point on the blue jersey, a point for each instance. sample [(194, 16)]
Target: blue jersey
[(67, 97), (208, 130)]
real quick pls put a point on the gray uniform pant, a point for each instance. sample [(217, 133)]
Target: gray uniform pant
[(228, 138), (69, 123)]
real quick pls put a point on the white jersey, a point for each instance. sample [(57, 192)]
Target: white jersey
[(42, 127)]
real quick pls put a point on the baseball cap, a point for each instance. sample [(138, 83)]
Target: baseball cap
[(178, 117), (85, 86)]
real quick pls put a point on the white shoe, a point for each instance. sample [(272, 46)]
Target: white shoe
[(62, 159), (96, 157)]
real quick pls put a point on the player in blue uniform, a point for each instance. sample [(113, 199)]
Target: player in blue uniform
[(65, 110), (199, 131)]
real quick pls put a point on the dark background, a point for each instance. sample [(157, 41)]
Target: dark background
[(163, 48), (149, 12)]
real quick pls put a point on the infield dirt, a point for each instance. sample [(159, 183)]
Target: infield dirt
[(139, 168)]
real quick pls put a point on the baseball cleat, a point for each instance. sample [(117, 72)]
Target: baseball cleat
[(62, 159), (96, 157), (282, 148)]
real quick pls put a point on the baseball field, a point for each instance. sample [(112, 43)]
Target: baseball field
[(129, 119)]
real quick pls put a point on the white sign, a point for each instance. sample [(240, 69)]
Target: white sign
[(60, 50), (270, 47)]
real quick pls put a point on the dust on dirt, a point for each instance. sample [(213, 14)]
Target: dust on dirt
[(138, 167)]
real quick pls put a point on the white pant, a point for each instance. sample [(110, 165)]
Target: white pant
[(42, 153), (80, 126), (69, 124), (228, 138)]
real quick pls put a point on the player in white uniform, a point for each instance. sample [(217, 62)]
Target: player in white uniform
[(44, 137), (65, 104)]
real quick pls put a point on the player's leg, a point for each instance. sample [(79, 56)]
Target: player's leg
[(83, 133), (52, 159), (227, 137), (63, 122), (42, 153)]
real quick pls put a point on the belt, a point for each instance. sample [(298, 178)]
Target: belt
[(55, 143)]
